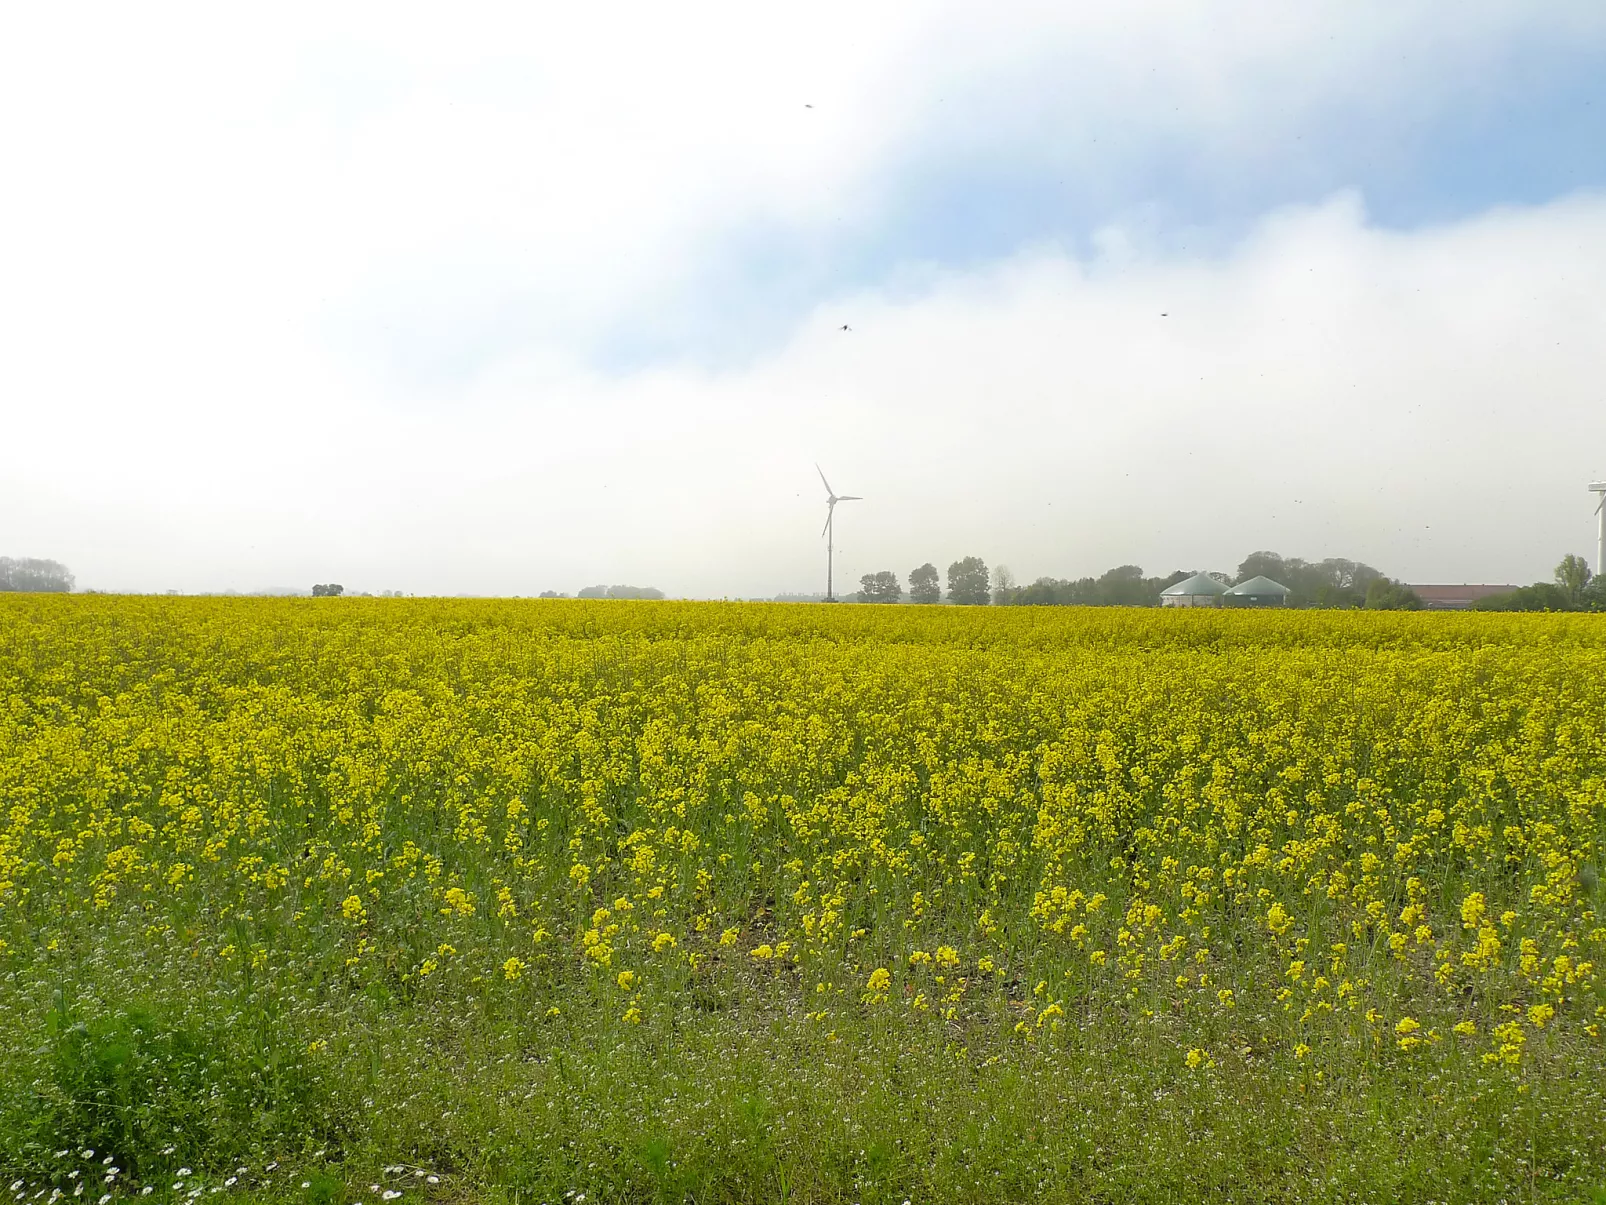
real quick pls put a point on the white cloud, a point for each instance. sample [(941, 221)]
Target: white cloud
[(1427, 401)]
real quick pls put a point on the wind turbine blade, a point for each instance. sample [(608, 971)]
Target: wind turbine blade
[(1600, 504), (827, 484), (849, 498), (828, 513)]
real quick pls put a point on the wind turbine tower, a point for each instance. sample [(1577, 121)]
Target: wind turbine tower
[(829, 530), (1599, 487)]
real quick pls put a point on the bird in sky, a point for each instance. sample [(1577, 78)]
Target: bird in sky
[(846, 327)]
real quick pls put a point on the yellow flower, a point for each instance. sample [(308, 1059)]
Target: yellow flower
[(458, 903), (351, 908), (513, 968), (626, 981), (1406, 1031)]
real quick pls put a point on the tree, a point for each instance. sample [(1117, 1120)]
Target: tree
[(1262, 564), (1385, 595), (882, 587), (31, 575), (967, 582), (1004, 588), (1335, 582), (1124, 586), (1541, 596), (332, 590), (1573, 575), (924, 584), (620, 592)]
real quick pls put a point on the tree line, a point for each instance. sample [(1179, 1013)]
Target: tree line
[(1336, 582), (30, 575), (1573, 588)]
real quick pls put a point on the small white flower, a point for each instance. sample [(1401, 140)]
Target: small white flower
[(89, 1152), (104, 1199), (231, 1181), (433, 1179), (306, 1184), (146, 1191), (184, 1171), (390, 1194)]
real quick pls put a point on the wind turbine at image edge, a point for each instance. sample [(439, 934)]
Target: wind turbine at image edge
[(1599, 487), (829, 530)]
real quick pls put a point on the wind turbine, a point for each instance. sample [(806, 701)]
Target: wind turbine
[(1599, 487), (829, 531)]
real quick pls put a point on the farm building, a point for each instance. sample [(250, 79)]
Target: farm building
[(1256, 592), (1200, 590)]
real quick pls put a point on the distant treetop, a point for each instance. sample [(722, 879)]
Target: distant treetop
[(31, 575), (621, 592)]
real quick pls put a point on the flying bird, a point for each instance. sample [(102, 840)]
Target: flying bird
[(846, 327)]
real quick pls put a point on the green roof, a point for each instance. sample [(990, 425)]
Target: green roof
[(1258, 585), (1199, 583)]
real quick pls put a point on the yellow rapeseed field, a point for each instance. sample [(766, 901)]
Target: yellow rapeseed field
[(1333, 844)]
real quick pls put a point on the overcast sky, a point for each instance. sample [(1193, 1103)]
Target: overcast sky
[(495, 300)]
